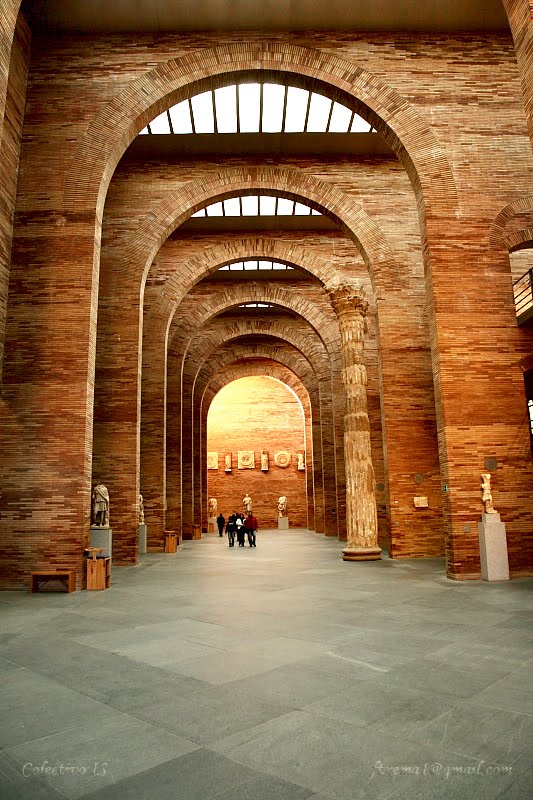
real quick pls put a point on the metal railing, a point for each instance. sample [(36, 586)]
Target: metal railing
[(523, 296)]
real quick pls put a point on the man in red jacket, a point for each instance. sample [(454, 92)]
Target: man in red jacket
[(250, 523)]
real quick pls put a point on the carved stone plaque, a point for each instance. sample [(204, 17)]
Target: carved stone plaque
[(212, 460), (282, 458), (246, 459), (420, 502)]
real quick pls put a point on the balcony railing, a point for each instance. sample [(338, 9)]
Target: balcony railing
[(523, 297)]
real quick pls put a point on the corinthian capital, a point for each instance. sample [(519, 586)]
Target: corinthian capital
[(347, 298)]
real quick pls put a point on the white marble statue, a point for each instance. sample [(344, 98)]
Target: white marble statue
[(100, 498), (212, 508), (227, 462), (282, 506), (141, 510), (301, 464), (486, 494), (264, 461), (247, 504)]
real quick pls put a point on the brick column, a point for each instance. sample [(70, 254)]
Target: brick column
[(350, 305)]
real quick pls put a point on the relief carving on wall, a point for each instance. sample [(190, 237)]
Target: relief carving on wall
[(246, 459), (282, 458), (212, 460)]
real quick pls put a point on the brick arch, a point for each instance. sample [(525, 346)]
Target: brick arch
[(132, 260), (294, 368), (263, 293), (326, 369), (521, 205), (257, 247), (179, 419), (518, 240), (314, 352), (216, 365), (116, 125), (280, 371)]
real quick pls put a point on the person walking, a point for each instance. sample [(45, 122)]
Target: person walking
[(230, 530), (240, 531), (221, 520), (251, 526)]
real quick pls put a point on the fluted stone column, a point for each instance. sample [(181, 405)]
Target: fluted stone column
[(350, 305)]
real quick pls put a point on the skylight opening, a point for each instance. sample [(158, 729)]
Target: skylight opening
[(250, 205), (202, 108), (296, 111), (319, 111), (160, 124), (285, 207), (232, 207), (180, 116), (215, 210), (340, 119), (273, 104), (255, 266), (256, 305), (253, 205), (359, 125), (226, 109), (267, 205), (258, 107), (249, 107)]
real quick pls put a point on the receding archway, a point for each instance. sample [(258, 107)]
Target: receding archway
[(256, 428)]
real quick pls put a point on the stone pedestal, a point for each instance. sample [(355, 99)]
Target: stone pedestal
[(143, 538), (493, 548), (102, 537), (283, 523), (211, 524)]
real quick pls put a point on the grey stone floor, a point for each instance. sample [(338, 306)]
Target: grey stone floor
[(275, 673)]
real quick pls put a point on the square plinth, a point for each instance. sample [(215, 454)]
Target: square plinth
[(283, 523), (493, 549), (102, 537), (143, 538)]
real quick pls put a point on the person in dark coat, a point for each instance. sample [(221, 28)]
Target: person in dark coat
[(250, 523), (230, 530), (221, 520)]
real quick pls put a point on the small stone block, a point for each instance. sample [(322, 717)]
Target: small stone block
[(420, 502), (283, 523)]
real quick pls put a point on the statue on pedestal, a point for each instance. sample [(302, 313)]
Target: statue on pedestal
[(486, 494), (282, 506), (100, 498), (141, 510), (212, 508), (247, 504), (301, 465), (264, 461)]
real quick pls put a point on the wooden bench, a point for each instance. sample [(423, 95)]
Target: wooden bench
[(67, 576)]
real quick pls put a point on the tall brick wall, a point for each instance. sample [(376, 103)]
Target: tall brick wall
[(450, 106), (14, 61), (257, 414)]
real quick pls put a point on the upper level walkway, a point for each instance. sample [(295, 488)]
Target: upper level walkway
[(274, 673)]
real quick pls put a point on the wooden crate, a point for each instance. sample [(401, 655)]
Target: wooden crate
[(98, 573)]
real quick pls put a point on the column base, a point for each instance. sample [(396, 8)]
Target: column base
[(361, 554)]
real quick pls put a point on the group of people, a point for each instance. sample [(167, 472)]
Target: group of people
[(238, 526)]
